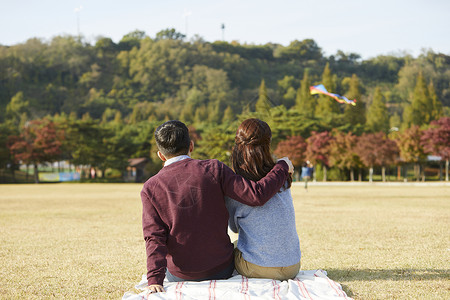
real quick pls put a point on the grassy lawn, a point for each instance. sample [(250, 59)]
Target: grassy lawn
[(85, 240)]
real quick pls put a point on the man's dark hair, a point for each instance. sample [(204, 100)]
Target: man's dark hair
[(172, 138)]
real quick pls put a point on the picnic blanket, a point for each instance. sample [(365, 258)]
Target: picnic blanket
[(312, 284)]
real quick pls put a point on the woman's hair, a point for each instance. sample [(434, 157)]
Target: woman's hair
[(251, 157)]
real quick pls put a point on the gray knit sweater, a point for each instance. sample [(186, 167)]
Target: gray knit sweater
[(267, 234)]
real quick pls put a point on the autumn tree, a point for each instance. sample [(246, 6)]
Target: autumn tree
[(39, 142), (293, 147), (376, 150), (411, 148), (342, 152), (436, 140), (318, 150)]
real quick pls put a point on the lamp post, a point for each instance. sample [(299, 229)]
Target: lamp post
[(77, 11), (223, 31)]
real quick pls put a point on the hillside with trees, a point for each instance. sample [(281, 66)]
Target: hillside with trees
[(97, 105)]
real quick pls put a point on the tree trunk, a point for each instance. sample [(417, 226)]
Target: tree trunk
[(13, 173), (383, 173), (324, 173), (359, 175), (399, 173), (36, 173), (417, 171), (370, 174), (422, 168), (446, 170), (352, 175)]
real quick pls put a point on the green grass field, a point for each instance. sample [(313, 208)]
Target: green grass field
[(85, 240)]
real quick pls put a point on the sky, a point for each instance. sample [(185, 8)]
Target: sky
[(368, 28)]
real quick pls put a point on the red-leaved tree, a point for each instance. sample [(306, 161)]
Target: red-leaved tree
[(377, 150), (342, 152), (436, 140), (39, 142), (293, 147), (318, 149)]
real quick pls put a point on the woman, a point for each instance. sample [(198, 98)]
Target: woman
[(268, 244)]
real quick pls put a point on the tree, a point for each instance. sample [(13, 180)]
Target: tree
[(263, 104), (300, 50), (293, 147), (86, 142), (18, 109), (228, 115), (377, 115), (355, 115), (318, 150), (436, 104), (342, 152), (216, 142), (304, 101), (169, 33), (376, 150), (411, 149), (326, 106), (436, 140), (287, 91), (117, 148), (38, 143), (424, 106), (6, 158), (132, 39)]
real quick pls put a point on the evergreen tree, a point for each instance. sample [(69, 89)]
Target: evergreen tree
[(263, 103), (326, 105), (228, 115), (355, 114), (18, 109), (422, 108), (201, 114), (304, 102), (188, 113), (118, 118), (377, 115), (436, 104)]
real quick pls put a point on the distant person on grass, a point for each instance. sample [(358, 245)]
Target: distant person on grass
[(307, 171), (184, 216), (268, 244)]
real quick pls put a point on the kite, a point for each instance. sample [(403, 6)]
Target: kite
[(320, 89)]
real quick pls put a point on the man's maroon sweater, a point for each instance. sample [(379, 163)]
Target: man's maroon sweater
[(185, 220)]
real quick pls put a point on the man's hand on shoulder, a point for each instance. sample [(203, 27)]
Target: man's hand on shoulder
[(289, 163), (154, 288)]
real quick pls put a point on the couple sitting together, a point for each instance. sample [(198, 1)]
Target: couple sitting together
[(189, 204)]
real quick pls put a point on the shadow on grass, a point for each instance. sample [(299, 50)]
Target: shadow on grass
[(341, 275)]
